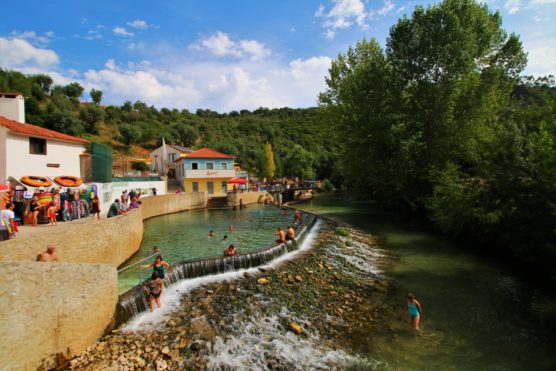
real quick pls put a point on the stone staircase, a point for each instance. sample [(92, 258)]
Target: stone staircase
[(217, 202), (172, 184)]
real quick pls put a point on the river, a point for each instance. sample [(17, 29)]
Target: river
[(477, 315)]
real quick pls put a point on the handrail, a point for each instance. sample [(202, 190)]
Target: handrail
[(137, 262)]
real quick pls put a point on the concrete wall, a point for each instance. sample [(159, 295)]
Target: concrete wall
[(50, 308), (110, 241), (247, 197)]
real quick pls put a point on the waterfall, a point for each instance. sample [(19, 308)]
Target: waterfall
[(135, 300)]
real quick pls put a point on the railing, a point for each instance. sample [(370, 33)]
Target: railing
[(138, 262)]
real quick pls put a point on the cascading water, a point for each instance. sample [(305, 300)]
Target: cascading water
[(135, 301)]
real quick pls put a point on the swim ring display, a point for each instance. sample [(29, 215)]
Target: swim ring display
[(68, 181), (36, 181)]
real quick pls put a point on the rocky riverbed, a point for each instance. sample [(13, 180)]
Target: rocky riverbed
[(305, 313)]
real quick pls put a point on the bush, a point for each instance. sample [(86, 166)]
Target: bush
[(340, 231)]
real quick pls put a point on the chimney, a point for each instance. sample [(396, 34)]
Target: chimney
[(12, 106)]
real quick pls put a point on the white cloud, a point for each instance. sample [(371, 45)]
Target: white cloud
[(33, 37), (93, 35), (121, 31), (220, 44), (543, 2), (19, 53), (541, 56), (110, 64), (138, 24), (347, 13), (513, 6), (387, 7)]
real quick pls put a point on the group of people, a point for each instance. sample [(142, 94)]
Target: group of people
[(120, 205), (283, 236), (155, 286)]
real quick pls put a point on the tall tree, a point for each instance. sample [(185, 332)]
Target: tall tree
[(96, 96), (270, 165)]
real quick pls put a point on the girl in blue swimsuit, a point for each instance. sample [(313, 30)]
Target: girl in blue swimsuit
[(415, 312)]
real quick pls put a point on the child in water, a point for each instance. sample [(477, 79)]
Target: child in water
[(415, 312)]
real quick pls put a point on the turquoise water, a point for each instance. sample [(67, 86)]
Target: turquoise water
[(183, 236), (477, 315)]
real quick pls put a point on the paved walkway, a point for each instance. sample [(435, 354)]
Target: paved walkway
[(28, 230)]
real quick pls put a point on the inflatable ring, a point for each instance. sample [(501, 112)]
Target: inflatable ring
[(68, 181), (36, 181)]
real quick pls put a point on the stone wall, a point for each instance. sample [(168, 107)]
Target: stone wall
[(108, 241), (52, 308), (61, 308)]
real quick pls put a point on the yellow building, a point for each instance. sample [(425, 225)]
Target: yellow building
[(205, 170)]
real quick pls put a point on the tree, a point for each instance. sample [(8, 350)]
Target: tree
[(270, 166), (130, 134), (73, 90), (65, 122), (44, 82), (91, 116), (96, 96)]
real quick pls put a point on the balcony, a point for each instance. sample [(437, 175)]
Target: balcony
[(202, 174)]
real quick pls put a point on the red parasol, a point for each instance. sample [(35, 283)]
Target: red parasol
[(238, 181)]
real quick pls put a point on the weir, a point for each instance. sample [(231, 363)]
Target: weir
[(135, 300)]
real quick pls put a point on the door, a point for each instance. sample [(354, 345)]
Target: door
[(210, 188), (224, 187)]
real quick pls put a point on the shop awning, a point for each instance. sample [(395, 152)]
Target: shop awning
[(238, 181)]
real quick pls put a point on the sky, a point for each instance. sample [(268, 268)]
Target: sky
[(221, 55)]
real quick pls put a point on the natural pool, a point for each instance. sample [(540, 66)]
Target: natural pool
[(184, 235)]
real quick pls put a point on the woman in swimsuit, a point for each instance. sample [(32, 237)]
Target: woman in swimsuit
[(154, 288), (415, 312), (95, 207), (34, 209), (158, 266)]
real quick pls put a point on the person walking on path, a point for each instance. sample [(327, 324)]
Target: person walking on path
[(159, 265), (154, 288), (415, 312), (7, 224)]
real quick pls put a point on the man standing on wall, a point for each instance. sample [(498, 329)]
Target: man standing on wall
[(7, 217)]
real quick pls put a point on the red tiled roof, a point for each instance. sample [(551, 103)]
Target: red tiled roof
[(207, 153), (37, 131)]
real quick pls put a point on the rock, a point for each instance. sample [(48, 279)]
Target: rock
[(295, 328), (165, 350), (195, 347), (298, 278), (290, 278), (161, 365), (247, 275), (210, 292), (262, 281), (141, 362), (148, 349)]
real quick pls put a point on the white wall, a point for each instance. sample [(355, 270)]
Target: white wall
[(3, 135), (19, 162), (13, 108), (159, 158), (108, 192)]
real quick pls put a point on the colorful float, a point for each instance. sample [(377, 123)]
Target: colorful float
[(68, 181), (36, 181)]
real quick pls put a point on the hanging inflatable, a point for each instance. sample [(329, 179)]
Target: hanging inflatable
[(68, 181), (36, 181)]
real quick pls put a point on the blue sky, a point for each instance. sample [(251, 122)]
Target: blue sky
[(222, 55)]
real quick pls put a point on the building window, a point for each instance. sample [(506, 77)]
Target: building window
[(194, 166), (210, 165), (224, 187), (224, 165), (171, 157), (210, 188), (195, 186), (37, 146)]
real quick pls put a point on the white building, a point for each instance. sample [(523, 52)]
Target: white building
[(29, 150), (162, 158)]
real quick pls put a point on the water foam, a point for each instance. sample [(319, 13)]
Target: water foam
[(360, 255), (265, 343)]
